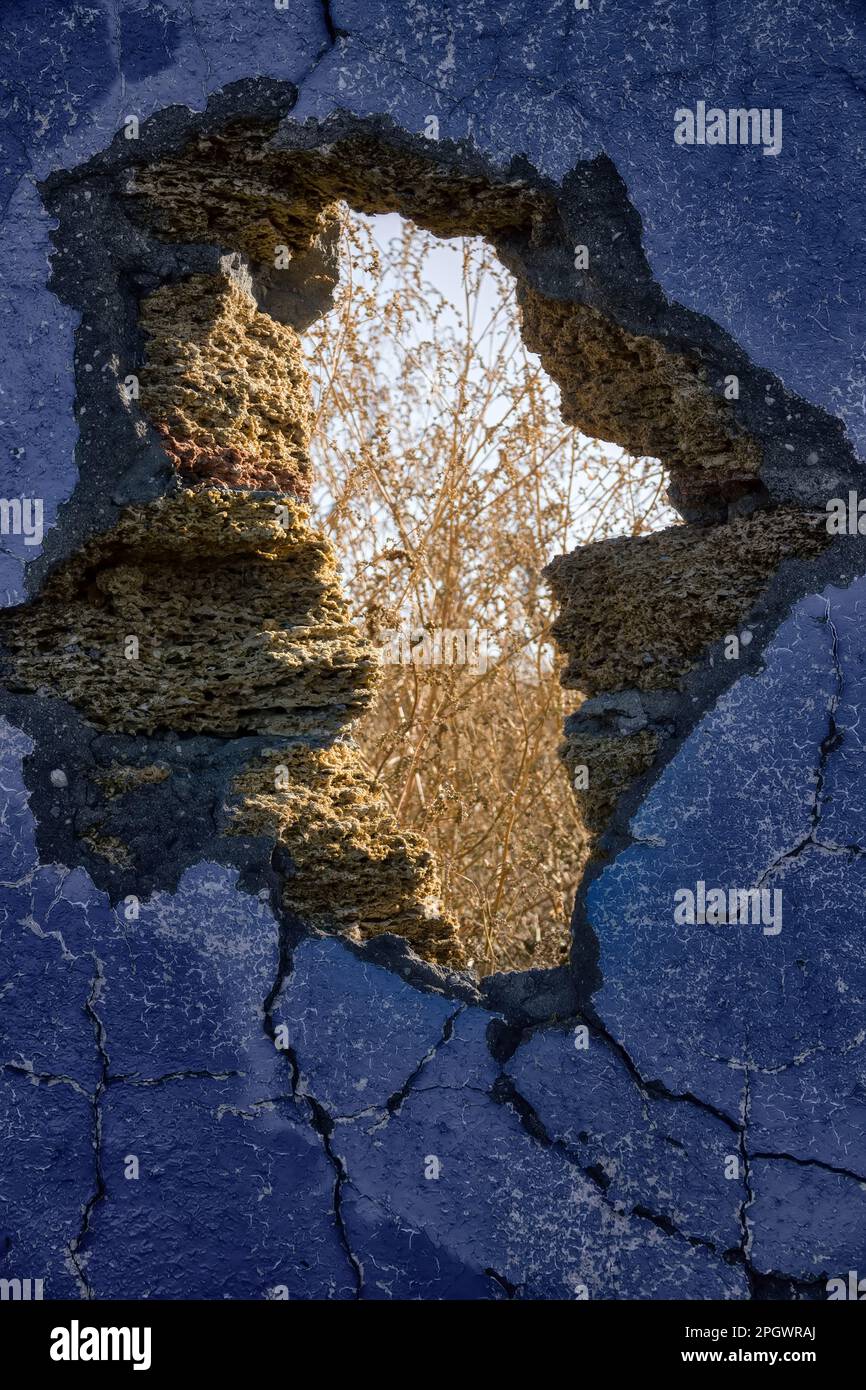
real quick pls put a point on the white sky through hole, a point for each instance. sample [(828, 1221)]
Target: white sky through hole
[(374, 402), (443, 270), (446, 481)]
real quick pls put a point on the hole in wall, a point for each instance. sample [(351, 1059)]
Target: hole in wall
[(447, 480), (217, 251)]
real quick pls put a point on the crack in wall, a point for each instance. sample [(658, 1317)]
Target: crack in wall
[(43, 1078), (78, 1262), (76, 1253), (395, 1101), (317, 1116), (831, 742), (333, 35), (745, 1227), (505, 1092), (511, 1290), (813, 1163), (334, 31), (653, 1089)]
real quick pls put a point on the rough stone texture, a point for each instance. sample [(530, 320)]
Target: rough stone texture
[(638, 611), (303, 1165), (608, 764), (240, 621), (617, 385), (226, 387), (350, 863), (242, 190), (118, 780)]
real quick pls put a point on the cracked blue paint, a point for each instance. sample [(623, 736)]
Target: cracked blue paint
[(503, 1201), (387, 1153), (667, 1157), (326, 1010), (402, 1262), (45, 1174), (690, 1004), (707, 1009), (809, 1094), (806, 1221), (187, 979), (50, 962), (196, 1140)]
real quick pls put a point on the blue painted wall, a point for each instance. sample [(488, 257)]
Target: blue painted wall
[(712, 1130)]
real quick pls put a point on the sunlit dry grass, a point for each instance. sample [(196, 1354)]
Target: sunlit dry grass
[(447, 481)]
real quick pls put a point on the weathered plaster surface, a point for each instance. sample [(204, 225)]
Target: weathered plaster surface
[(285, 1092)]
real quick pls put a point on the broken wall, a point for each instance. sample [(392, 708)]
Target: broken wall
[(212, 932)]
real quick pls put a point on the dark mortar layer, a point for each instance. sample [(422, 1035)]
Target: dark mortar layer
[(167, 826)]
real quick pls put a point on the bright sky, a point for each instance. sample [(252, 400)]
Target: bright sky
[(443, 269)]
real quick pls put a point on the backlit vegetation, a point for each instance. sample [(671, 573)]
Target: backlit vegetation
[(447, 481)]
